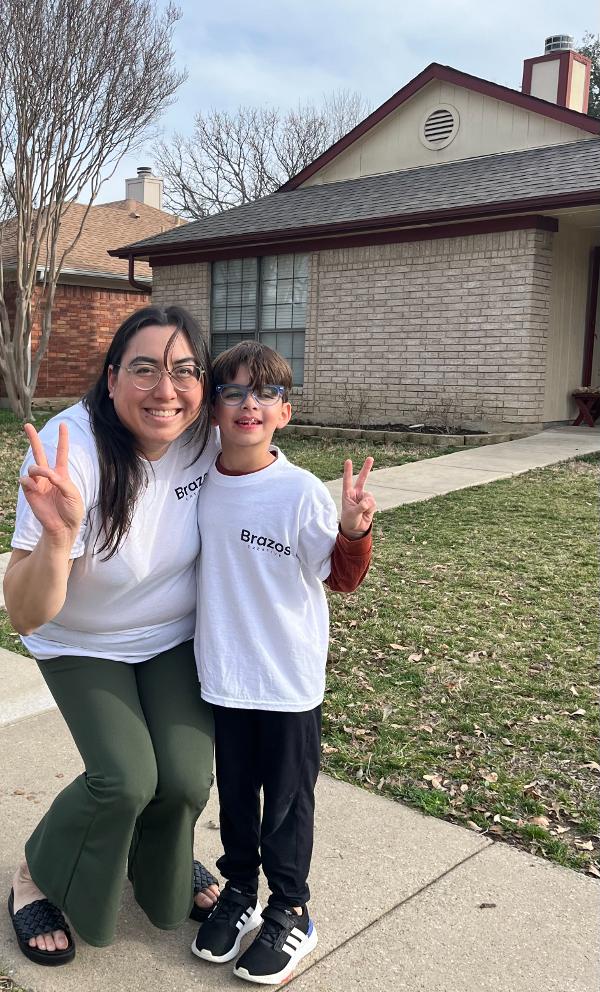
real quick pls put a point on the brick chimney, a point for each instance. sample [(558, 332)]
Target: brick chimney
[(561, 75), (145, 188)]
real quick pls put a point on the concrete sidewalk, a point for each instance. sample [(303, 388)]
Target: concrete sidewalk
[(401, 901), (422, 480)]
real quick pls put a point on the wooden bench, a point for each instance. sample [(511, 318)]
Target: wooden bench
[(587, 399)]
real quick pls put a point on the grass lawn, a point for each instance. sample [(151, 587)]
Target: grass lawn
[(462, 675), (325, 456)]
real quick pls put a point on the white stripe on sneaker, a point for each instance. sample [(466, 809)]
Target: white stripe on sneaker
[(243, 919), (306, 945)]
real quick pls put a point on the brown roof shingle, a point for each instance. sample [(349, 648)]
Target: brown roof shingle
[(107, 224)]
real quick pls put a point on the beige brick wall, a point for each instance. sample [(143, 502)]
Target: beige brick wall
[(412, 332), (451, 329), (184, 286)]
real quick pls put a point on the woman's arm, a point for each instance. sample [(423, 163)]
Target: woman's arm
[(35, 584)]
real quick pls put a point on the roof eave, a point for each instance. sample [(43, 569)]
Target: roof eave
[(506, 207)]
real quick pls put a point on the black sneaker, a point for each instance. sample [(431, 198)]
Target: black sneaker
[(234, 914), (283, 940)]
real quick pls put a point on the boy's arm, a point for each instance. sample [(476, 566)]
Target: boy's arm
[(350, 560), (351, 555), (348, 544)]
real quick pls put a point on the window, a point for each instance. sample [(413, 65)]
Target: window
[(263, 299)]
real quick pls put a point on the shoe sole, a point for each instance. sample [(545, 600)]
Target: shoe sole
[(309, 945), (251, 924)]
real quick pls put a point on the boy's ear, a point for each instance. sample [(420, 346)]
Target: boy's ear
[(284, 416)]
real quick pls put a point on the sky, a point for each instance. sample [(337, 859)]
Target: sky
[(280, 53)]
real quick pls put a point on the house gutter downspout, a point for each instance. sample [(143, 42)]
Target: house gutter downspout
[(133, 281)]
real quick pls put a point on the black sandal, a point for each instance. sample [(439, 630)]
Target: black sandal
[(37, 918), (202, 879)]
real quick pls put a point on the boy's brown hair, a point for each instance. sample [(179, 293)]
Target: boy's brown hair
[(265, 366)]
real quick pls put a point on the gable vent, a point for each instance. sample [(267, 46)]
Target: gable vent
[(440, 127)]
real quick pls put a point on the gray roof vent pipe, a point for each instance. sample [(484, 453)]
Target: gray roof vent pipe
[(558, 43)]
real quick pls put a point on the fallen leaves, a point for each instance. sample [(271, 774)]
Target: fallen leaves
[(539, 821), (488, 776), (435, 781)]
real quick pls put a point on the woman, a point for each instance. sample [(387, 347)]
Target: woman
[(102, 586)]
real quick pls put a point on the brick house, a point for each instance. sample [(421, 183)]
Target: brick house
[(94, 294), (440, 259)]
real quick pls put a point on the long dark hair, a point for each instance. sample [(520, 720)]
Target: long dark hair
[(122, 472)]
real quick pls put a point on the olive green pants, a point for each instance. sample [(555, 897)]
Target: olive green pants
[(146, 740)]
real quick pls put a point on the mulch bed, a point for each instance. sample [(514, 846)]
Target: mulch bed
[(413, 428)]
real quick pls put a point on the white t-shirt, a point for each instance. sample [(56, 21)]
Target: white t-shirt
[(262, 620), (142, 600)]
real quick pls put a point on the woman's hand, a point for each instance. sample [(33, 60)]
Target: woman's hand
[(358, 506), (52, 496)]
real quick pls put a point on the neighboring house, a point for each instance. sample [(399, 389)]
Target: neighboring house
[(93, 294), (441, 258)]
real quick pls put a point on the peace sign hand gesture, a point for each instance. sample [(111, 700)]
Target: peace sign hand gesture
[(358, 506), (54, 499)]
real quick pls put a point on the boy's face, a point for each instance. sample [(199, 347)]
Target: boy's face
[(250, 424)]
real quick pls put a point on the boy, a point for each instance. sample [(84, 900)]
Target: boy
[(269, 539)]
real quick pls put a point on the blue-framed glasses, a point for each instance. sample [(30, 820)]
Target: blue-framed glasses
[(233, 395)]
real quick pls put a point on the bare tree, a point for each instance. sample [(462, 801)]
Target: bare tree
[(234, 158), (81, 83)]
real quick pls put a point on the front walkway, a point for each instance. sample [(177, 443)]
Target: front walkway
[(474, 466)]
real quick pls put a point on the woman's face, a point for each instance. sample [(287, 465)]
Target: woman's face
[(156, 416)]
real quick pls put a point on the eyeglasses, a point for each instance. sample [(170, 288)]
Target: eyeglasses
[(233, 395), (183, 377)]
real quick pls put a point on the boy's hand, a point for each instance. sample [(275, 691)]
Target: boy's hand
[(358, 506)]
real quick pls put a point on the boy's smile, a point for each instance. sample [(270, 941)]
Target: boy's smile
[(247, 429)]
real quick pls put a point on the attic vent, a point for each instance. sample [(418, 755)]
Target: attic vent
[(440, 126)]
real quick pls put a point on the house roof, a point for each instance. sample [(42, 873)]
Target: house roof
[(446, 74), (512, 182), (106, 223)]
